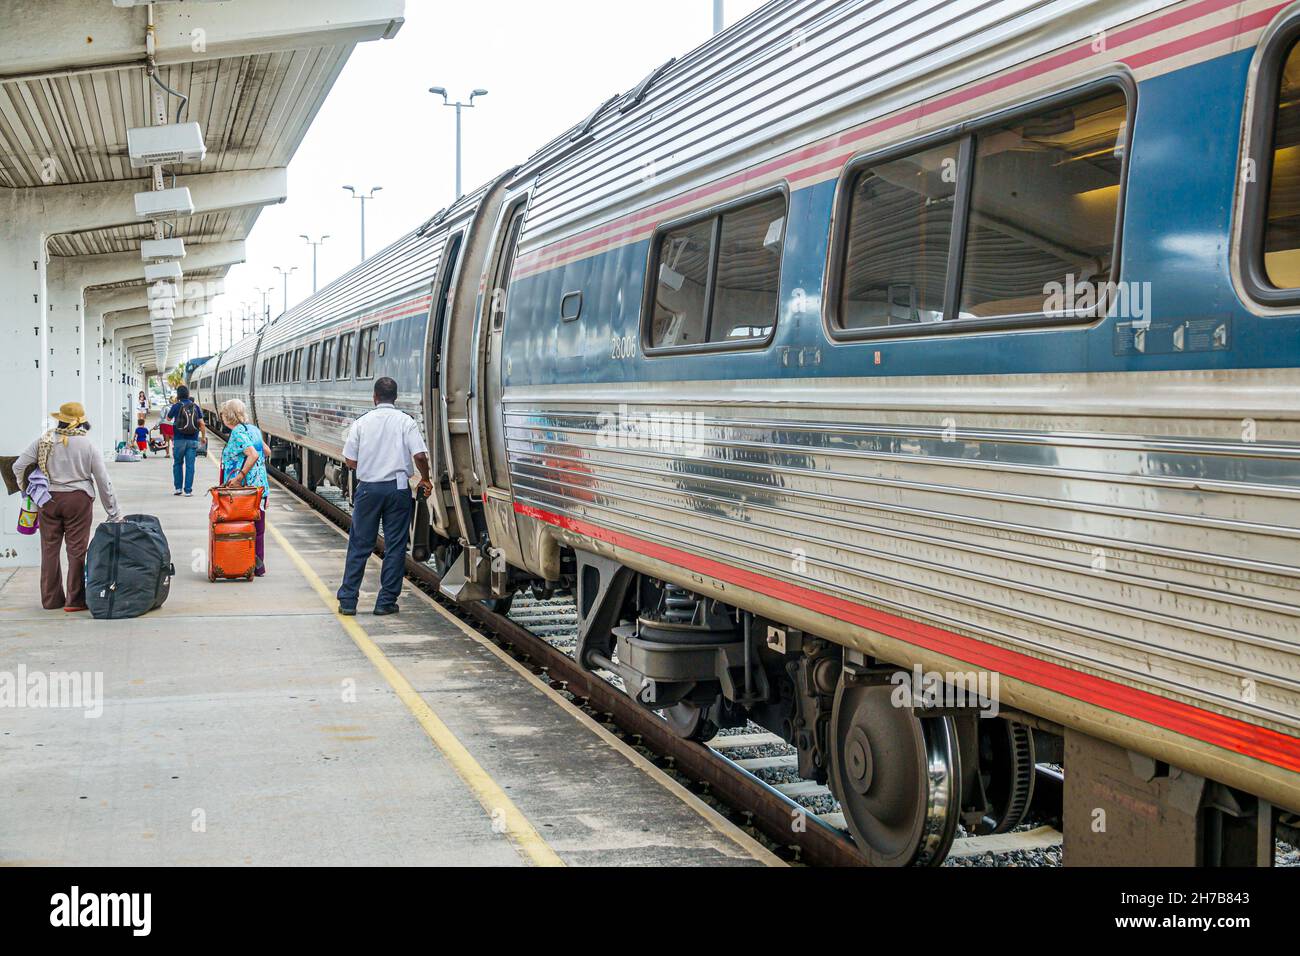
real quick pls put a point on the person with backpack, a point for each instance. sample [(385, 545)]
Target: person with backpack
[(74, 469), (189, 432)]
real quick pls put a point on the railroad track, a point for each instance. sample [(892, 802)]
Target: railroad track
[(750, 771)]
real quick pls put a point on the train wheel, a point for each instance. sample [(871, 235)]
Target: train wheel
[(1007, 773), (689, 722), (896, 776)]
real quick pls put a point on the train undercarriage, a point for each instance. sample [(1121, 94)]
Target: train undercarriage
[(911, 760)]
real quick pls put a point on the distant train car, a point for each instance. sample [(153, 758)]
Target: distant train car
[(201, 379), (871, 350)]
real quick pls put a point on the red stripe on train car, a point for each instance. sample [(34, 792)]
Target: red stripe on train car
[(1261, 743)]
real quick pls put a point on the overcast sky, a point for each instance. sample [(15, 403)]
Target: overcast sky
[(545, 63)]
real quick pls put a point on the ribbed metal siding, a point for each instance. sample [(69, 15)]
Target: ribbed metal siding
[(791, 73), (402, 269), (995, 532)]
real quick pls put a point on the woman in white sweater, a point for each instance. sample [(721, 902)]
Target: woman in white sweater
[(75, 470)]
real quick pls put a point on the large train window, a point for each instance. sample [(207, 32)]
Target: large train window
[(896, 258), (1044, 206), (716, 278), (297, 365), (366, 352), (313, 361), (326, 359), (345, 357), (1271, 176), (985, 229)]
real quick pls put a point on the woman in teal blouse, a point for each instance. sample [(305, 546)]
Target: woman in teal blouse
[(243, 463)]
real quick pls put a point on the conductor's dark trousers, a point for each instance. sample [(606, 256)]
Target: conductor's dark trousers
[(375, 504)]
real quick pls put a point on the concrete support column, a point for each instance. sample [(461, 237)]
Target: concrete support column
[(96, 367), (65, 315), (24, 368)]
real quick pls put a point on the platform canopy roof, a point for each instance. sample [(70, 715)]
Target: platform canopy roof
[(73, 81)]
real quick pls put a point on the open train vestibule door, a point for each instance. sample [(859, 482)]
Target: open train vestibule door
[(490, 428), (444, 285), (480, 516)]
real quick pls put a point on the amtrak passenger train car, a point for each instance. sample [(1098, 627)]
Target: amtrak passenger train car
[(876, 347)]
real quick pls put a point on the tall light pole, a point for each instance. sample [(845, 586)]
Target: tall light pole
[(439, 91), (719, 16), (315, 246), (285, 276), (357, 195), (265, 294)]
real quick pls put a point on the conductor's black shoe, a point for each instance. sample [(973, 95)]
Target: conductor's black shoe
[(386, 610), (347, 611)]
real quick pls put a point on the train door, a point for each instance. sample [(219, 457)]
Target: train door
[(497, 464), (489, 432), (448, 270)]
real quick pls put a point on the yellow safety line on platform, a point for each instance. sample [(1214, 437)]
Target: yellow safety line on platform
[(494, 800), (712, 817)]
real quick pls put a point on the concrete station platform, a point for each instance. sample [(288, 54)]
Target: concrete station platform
[(247, 723)]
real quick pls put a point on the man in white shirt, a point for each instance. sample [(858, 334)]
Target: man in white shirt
[(380, 447)]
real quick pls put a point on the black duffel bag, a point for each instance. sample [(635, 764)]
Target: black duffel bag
[(128, 568)]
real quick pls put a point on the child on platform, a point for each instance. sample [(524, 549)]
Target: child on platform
[(142, 437)]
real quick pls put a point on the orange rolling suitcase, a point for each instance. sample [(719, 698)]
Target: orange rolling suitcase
[(232, 550)]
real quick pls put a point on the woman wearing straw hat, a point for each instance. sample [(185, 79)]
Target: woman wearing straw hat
[(75, 469)]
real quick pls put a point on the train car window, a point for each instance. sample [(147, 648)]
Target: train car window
[(326, 359), (1281, 252), (366, 352), (897, 240), (447, 270), (747, 272), (505, 267), (717, 279), (1044, 203), (345, 357), (985, 228), (297, 365), (313, 361), (681, 309)]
